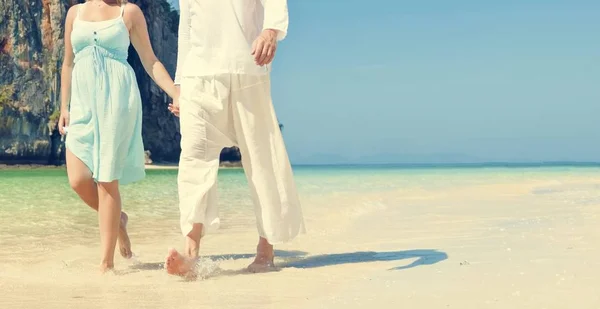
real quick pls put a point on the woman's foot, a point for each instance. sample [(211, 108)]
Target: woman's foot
[(124, 242), (106, 267)]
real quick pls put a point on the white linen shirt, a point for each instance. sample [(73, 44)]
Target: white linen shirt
[(216, 36)]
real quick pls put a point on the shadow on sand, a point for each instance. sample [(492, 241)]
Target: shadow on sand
[(423, 257), (299, 259)]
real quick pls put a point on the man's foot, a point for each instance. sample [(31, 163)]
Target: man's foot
[(124, 242), (261, 265), (264, 258), (179, 265)]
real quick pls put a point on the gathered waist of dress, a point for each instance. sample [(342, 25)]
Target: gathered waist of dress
[(97, 51)]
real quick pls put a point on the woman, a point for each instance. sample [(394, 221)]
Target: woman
[(104, 119)]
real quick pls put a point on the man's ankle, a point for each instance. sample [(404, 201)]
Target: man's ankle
[(192, 245), (192, 253)]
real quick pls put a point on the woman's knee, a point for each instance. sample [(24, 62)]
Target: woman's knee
[(80, 183), (110, 188), (80, 177)]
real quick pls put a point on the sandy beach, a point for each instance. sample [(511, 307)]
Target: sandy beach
[(503, 240)]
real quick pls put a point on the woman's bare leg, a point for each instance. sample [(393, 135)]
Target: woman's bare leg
[(80, 179), (109, 215)]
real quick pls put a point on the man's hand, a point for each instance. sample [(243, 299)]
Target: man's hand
[(264, 47), (174, 107)]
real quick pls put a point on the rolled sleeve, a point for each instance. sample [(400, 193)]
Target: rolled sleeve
[(276, 17)]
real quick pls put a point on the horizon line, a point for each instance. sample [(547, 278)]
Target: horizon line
[(466, 164)]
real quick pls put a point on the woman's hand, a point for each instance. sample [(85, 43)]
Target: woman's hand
[(63, 122), (174, 107)]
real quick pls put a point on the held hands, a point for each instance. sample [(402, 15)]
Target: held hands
[(264, 47), (174, 107), (63, 122)]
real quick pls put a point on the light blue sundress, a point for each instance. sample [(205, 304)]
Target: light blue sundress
[(105, 129)]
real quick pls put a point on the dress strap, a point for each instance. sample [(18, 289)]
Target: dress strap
[(122, 9), (78, 10)]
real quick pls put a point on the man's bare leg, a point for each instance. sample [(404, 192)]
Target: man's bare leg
[(184, 265), (264, 260), (80, 179)]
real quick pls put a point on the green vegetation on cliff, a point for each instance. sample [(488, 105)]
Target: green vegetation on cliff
[(6, 96)]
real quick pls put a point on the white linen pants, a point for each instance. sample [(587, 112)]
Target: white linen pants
[(226, 110)]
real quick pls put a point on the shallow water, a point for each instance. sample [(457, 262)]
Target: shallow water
[(39, 213)]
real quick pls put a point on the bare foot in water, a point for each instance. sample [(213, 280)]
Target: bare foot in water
[(264, 258), (105, 268), (179, 265), (124, 242)]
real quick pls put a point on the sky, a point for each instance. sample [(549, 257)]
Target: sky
[(437, 81)]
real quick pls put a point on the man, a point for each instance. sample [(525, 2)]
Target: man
[(225, 51)]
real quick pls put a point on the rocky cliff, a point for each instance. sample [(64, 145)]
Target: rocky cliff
[(31, 49)]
